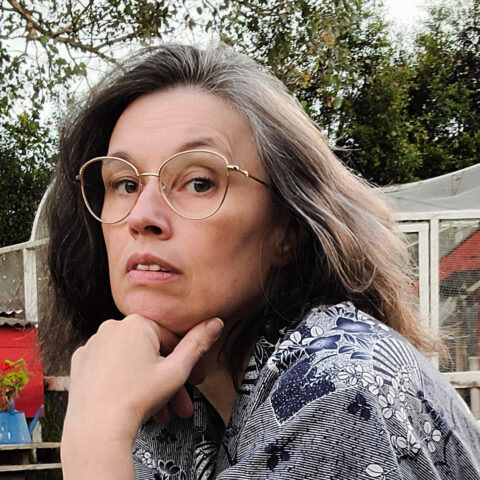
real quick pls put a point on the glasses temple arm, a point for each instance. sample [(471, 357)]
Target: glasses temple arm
[(236, 168)]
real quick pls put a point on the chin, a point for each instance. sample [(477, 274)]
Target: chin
[(170, 317)]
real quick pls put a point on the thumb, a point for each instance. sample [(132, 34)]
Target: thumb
[(190, 350)]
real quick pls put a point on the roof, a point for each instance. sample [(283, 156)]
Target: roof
[(458, 190), (16, 322), (465, 257), (10, 313), (12, 318)]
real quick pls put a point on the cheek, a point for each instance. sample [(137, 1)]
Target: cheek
[(235, 249), (112, 236)]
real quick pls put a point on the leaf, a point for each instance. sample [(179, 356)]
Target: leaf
[(296, 337), (363, 343), (349, 338), (360, 355), (374, 470)]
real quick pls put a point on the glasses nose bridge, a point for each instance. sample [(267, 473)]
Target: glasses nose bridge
[(149, 174), (143, 185), (146, 174)]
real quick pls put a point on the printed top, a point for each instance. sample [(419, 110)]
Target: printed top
[(341, 396)]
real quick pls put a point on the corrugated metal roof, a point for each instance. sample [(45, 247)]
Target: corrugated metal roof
[(15, 322), (10, 313), (458, 190)]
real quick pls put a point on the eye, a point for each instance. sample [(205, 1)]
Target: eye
[(125, 186), (199, 185)]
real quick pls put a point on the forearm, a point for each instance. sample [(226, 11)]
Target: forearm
[(105, 408), (93, 453)]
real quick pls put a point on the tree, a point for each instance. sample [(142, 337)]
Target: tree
[(336, 56), (48, 50), (320, 50), (23, 183), (378, 134), (394, 116), (445, 92)]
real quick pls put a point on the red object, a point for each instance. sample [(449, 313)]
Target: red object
[(21, 342), (464, 258)]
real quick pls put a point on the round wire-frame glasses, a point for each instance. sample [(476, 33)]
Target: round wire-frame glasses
[(222, 160)]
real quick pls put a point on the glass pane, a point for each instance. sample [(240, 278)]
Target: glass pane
[(459, 296), (11, 282), (412, 240)]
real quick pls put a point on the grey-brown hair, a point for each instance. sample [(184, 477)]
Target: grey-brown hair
[(345, 246)]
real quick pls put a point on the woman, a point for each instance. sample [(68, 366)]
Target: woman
[(197, 203)]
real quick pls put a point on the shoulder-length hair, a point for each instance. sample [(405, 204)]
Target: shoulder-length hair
[(345, 245)]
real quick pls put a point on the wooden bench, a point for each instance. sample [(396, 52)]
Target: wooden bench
[(16, 459)]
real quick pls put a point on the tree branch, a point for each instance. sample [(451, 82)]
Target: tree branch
[(34, 27)]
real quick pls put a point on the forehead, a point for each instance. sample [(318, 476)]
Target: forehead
[(163, 123)]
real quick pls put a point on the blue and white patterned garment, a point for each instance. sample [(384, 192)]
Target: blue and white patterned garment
[(340, 397)]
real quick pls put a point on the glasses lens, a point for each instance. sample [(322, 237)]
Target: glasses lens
[(110, 187), (194, 183)]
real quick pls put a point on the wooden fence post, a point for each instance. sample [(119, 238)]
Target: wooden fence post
[(474, 364)]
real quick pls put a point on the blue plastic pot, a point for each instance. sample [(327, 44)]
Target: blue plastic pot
[(13, 426)]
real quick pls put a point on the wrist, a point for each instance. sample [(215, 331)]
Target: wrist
[(98, 431), (96, 451)]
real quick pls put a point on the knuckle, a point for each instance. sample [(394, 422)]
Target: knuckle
[(134, 317), (107, 325), (135, 322), (78, 355)]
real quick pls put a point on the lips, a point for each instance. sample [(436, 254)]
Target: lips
[(149, 263)]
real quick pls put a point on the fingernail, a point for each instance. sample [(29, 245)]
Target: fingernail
[(214, 327)]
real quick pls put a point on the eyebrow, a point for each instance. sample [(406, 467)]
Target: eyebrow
[(190, 145), (201, 142)]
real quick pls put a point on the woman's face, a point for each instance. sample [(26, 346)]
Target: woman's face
[(215, 266)]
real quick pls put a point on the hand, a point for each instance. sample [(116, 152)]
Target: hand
[(128, 371)]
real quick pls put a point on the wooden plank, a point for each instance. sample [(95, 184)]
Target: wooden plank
[(29, 446), (434, 307), (21, 246), (447, 215), (57, 384), (30, 284), (474, 364), (24, 468), (469, 379), (18, 457)]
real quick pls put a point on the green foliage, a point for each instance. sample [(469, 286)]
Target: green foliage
[(25, 170), (320, 50), (48, 50), (445, 93), (14, 377), (395, 115), (377, 137)]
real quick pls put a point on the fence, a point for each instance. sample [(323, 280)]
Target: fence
[(446, 250)]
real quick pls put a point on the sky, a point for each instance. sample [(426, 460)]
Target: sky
[(405, 12)]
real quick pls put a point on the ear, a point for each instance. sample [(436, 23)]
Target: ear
[(285, 242)]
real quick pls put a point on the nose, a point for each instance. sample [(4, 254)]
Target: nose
[(150, 214)]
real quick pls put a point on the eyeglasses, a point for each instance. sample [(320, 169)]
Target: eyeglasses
[(194, 184)]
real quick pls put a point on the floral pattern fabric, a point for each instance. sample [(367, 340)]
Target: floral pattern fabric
[(340, 397)]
